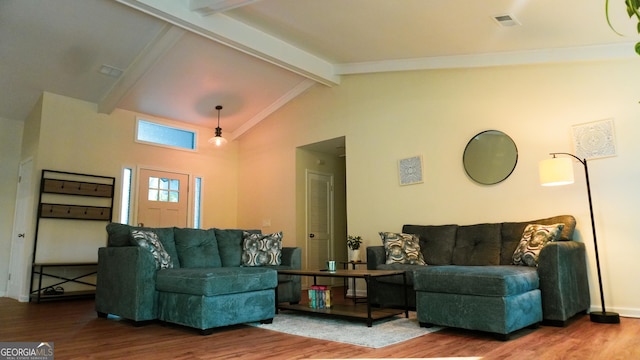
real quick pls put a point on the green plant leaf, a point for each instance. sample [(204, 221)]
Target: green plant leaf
[(632, 8), (638, 48), (606, 11)]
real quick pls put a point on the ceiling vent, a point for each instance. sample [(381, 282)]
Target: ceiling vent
[(506, 20), (110, 71)]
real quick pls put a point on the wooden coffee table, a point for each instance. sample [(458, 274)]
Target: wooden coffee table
[(354, 311)]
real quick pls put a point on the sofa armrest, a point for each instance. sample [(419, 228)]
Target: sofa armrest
[(292, 256), (562, 269), (126, 283), (375, 256), (289, 286)]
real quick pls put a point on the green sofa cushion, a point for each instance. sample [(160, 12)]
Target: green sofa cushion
[(477, 245), (512, 234), (197, 248), (148, 240), (120, 235), (216, 281), (436, 242), (230, 245), (499, 280)]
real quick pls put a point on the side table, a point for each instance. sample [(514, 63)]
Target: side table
[(354, 264)]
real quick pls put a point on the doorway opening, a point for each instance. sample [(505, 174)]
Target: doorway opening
[(321, 203)]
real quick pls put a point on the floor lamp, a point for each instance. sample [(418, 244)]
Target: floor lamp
[(559, 171)]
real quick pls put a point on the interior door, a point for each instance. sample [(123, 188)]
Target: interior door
[(19, 261), (319, 221), (162, 198)]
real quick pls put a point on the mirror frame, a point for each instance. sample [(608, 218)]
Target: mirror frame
[(502, 170)]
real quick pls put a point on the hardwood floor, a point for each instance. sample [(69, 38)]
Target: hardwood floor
[(77, 333)]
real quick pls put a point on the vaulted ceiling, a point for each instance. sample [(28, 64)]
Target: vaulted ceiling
[(178, 59)]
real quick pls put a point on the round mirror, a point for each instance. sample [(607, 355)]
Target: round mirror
[(490, 157)]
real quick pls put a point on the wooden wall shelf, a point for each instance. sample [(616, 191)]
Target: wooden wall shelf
[(78, 212), (55, 186)]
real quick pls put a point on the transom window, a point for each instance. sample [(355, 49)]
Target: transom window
[(157, 134), (164, 190)]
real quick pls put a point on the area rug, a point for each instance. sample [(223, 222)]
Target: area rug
[(383, 333)]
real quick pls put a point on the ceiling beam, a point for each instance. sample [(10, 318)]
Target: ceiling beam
[(237, 35), (208, 7), (150, 55)]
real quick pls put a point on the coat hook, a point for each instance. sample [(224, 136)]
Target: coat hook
[(68, 210), (62, 187)]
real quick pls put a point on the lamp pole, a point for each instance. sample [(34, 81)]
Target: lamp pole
[(604, 316)]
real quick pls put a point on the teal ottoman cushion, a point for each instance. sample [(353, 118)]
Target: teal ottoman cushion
[(499, 280), (216, 281)]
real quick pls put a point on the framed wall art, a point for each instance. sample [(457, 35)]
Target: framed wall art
[(410, 170), (594, 139)]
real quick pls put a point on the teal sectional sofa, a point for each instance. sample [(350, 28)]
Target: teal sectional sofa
[(469, 280), (199, 278)]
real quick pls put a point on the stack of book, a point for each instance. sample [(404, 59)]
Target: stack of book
[(319, 297)]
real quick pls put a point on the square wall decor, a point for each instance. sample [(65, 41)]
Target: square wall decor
[(410, 170), (594, 139)]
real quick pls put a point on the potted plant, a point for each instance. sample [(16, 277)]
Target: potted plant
[(633, 10), (353, 243)]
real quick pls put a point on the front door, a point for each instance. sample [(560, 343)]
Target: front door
[(162, 199)]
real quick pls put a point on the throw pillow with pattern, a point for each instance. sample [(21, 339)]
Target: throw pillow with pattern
[(402, 248), (534, 238), (261, 249), (149, 240)]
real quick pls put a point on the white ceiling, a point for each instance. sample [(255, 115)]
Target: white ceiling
[(179, 64)]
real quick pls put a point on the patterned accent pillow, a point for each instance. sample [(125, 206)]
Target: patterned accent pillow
[(149, 240), (534, 238), (261, 249), (402, 248)]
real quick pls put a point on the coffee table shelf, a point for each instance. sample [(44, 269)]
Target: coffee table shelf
[(348, 311), (355, 311)]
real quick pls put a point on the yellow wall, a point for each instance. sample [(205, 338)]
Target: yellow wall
[(389, 116)]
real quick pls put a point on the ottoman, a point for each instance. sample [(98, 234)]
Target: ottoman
[(497, 299), (214, 297)]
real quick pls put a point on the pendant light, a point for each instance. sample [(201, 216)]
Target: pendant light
[(218, 140)]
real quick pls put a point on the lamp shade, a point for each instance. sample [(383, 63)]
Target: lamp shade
[(218, 140), (556, 171)]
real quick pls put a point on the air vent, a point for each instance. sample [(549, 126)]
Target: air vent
[(506, 20), (110, 71)]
